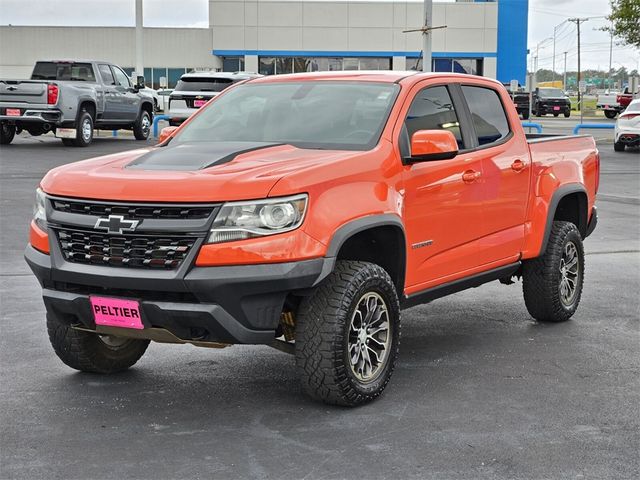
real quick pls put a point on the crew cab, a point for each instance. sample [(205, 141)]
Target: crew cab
[(71, 98), (550, 100), (305, 212), (195, 89)]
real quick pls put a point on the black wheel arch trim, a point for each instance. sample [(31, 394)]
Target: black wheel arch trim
[(353, 227), (558, 195)]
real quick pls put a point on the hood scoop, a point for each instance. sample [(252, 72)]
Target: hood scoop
[(195, 156)]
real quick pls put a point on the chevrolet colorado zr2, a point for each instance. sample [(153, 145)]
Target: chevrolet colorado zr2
[(305, 212)]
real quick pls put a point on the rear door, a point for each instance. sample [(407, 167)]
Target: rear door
[(443, 212), (506, 171), (111, 99)]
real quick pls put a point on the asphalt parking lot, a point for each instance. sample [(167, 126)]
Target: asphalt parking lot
[(481, 390)]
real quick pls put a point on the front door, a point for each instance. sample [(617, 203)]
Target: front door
[(128, 107), (443, 198)]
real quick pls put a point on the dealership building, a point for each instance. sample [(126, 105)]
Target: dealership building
[(273, 37)]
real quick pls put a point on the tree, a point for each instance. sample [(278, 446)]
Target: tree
[(625, 21)]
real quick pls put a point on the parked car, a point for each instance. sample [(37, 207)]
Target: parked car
[(627, 132), (520, 100), (608, 103), (163, 98), (304, 212), (71, 98), (196, 89), (550, 100), (153, 94)]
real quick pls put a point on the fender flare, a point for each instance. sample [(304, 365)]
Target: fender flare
[(353, 227), (557, 196), (86, 99)]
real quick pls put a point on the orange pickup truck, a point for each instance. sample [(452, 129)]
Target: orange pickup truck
[(305, 212)]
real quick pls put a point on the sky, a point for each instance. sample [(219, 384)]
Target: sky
[(544, 15)]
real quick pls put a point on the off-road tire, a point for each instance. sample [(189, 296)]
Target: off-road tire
[(618, 147), (7, 132), (322, 325), (542, 276), (82, 139), (142, 127), (86, 351)]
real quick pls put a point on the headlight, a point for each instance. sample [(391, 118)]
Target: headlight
[(242, 220), (40, 210)]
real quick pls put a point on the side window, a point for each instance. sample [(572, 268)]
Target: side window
[(107, 76), (488, 115), (121, 77), (431, 109)]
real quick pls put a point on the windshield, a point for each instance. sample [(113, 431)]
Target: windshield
[(551, 92), (327, 115), (200, 84), (80, 72)]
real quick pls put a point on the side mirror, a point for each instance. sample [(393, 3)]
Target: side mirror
[(428, 145), (139, 82), (165, 133)]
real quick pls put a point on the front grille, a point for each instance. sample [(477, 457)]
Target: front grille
[(136, 212), (132, 251)]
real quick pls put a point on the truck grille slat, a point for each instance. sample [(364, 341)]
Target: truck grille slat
[(135, 212), (129, 251)]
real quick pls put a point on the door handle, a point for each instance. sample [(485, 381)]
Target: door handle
[(518, 165), (470, 176)]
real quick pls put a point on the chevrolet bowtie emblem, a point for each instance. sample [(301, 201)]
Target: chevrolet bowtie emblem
[(116, 224)]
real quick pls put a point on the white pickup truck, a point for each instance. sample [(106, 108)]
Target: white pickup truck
[(71, 98)]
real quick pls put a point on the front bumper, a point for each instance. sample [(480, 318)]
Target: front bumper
[(551, 109), (236, 304)]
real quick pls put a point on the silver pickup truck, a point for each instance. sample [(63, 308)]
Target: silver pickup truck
[(71, 98)]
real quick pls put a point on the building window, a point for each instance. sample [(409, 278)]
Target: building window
[(281, 65), (233, 64), (472, 66)]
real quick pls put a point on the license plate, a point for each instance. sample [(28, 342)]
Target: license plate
[(13, 112), (66, 132), (115, 312), (199, 103), (556, 108)]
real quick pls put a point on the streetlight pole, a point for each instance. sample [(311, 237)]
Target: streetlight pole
[(139, 40), (554, 48)]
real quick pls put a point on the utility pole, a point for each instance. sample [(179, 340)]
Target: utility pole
[(610, 58), (139, 40), (578, 21), (426, 35)]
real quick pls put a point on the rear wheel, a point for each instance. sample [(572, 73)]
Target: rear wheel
[(7, 133), (618, 147), (90, 352), (142, 127), (552, 283), (347, 335), (567, 114), (84, 131), (610, 113)]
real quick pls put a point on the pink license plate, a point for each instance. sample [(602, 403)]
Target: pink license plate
[(13, 112), (199, 103), (556, 108), (114, 312)]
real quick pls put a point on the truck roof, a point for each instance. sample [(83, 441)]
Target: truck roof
[(390, 76)]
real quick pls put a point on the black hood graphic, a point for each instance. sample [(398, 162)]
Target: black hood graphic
[(195, 156)]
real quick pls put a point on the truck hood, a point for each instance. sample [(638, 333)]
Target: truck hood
[(202, 172)]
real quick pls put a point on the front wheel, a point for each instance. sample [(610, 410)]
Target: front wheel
[(552, 283), (142, 127), (348, 334), (90, 352)]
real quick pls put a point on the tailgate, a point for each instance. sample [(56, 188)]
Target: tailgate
[(23, 91)]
